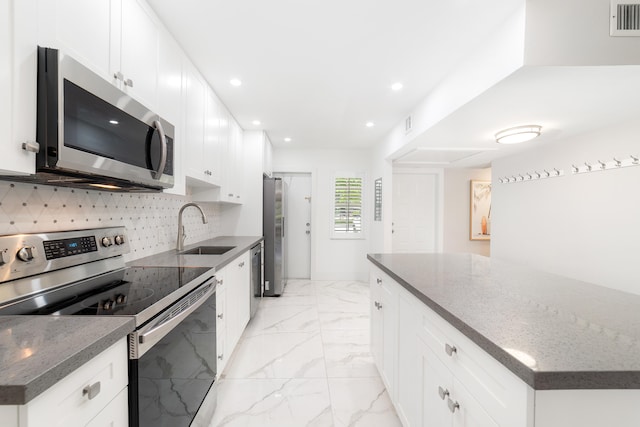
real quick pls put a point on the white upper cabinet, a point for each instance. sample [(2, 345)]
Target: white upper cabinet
[(138, 57), (170, 59), (212, 138), (17, 85), (194, 113), (82, 29), (118, 39)]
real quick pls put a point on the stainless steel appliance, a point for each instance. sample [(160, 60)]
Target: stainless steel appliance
[(273, 219), (92, 134), (256, 277), (172, 352)]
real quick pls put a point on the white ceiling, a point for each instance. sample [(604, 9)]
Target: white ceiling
[(317, 71)]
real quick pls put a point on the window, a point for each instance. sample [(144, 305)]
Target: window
[(347, 206)]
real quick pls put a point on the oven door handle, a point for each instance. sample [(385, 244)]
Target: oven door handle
[(157, 332)]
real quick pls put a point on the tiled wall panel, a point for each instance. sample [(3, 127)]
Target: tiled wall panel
[(151, 219)]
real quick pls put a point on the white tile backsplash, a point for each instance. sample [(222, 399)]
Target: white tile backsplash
[(151, 219)]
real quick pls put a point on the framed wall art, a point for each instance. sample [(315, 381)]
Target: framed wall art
[(480, 215)]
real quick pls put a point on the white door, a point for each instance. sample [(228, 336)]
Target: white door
[(297, 225), (415, 212)]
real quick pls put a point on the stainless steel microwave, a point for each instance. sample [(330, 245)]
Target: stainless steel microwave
[(94, 135)]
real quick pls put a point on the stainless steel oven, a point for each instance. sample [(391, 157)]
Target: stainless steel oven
[(92, 134), (172, 352)]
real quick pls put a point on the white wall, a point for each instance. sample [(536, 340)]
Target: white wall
[(331, 259), (456, 211), (585, 226), (575, 32)]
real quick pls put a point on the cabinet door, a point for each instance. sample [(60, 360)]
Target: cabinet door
[(82, 29), (221, 323), (377, 332), (170, 103), (194, 95), (211, 150), (238, 175), (139, 53), (115, 414), (469, 413), (388, 309), (409, 362), (436, 387), (17, 85)]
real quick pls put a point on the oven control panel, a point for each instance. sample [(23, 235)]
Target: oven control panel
[(23, 255)]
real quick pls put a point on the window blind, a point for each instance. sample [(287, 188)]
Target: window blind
[(347, 215)]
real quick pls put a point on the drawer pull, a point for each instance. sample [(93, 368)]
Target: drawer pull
[(379, 281), (241, 264), (220, 316), (220, 356), (450, 349), (377, 304), (453, 405), (443, 392), (92, 390)]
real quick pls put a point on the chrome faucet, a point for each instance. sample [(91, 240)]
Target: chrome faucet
[(181, 235)]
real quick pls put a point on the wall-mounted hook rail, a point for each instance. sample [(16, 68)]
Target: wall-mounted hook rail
[(599, 165), (531, 176)]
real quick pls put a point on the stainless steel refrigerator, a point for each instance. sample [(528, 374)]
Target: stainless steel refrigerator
[(273, 220)]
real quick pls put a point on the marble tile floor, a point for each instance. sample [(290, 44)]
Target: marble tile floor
[(304, 360)]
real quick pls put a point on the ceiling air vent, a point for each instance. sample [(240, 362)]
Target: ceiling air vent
[(625, 18)]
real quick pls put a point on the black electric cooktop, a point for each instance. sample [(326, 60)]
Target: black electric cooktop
[(125, 292)]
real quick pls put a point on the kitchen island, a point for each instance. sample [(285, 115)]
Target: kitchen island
[(547, 350)]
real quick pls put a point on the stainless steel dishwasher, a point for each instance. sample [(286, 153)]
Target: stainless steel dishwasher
[(256, 277)]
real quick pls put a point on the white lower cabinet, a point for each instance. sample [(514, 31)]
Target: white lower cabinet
[(232, 306), (95, 394), (435, 376)]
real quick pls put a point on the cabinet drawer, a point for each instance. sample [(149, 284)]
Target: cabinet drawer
[(115, 414), (502, 394), (65, 403)]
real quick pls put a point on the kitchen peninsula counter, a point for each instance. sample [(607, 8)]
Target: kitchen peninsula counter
[(552, 332)]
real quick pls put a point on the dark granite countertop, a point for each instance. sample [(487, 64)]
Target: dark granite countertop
[(38, 351), (174, 259), (551, 331)]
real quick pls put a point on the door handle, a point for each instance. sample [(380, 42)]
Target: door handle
[(163, 153)]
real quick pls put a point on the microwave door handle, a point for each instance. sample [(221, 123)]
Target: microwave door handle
[(163, 155)]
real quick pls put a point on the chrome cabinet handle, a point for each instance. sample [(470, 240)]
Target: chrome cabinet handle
[(377, 304), (128, 82), (241, 264), (31, 146), (379, 281), (91, 390), (450, 349), (118, 76), (443, 392), (453, 405), (219, 282), (220, 316), (220, 356)]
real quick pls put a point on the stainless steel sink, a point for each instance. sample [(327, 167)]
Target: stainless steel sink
[(208, 250)]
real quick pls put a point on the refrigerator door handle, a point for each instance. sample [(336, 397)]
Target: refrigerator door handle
[(282, 226)]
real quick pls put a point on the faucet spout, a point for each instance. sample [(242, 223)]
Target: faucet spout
[(181, 235)]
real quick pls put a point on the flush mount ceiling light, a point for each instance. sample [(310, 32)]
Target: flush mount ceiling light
[(235, 82), (396, 86), (256, 122), (370, 124), (287, 139), (518, 134)]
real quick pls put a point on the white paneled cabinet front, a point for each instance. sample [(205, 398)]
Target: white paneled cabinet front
[(194, 115), (95, 394), (436, 376), (232, 306), (17, 85), (117, 39)]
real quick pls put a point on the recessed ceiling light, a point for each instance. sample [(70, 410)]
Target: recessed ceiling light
[(235, 82), (287, 139), (113, 122), (396, 86), (518, 134), (256, 122), (370, 124)]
